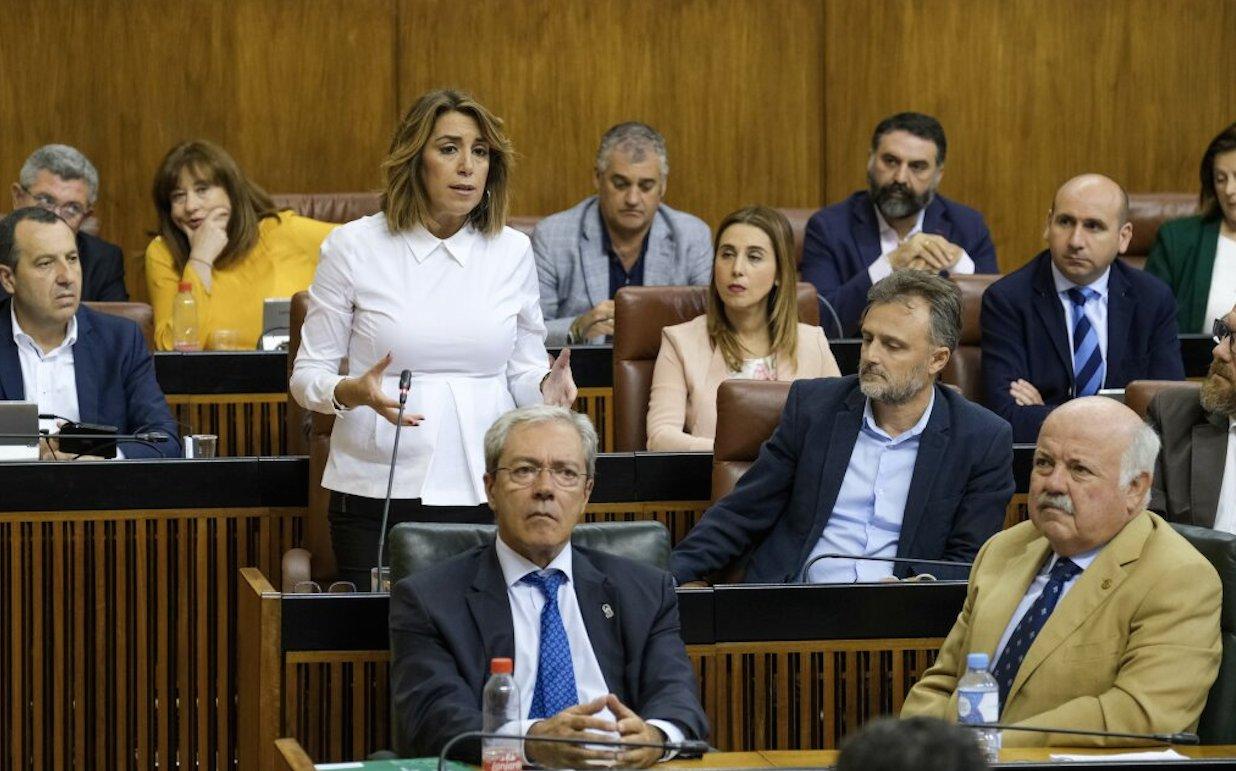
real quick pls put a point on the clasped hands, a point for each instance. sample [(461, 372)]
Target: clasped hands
[(925, 251), (581, 722), (557, 388)]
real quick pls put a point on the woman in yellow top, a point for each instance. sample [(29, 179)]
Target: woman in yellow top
[(220, 233)]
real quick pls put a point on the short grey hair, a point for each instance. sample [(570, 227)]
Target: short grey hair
[(1139, 457), (942, 296), (635, 138), (65, 162), (495, 437)]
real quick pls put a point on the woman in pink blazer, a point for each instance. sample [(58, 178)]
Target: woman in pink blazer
[(750, 331)]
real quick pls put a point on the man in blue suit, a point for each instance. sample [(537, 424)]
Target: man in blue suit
[(1075, 319), (899, 223), (77, 364), (883, 464)]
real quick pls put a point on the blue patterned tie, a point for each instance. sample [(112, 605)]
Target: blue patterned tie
[(1031, 624), (555, 676), (1087, 358)]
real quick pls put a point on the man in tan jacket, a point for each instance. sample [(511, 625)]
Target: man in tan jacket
[(1097, 614)]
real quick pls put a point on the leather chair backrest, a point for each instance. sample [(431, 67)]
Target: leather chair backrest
[(747, 413), (1219, 548), (798, 224), (330, 207), (964, 368), (1147, 211), (138, 312), (415, 546), (640, 313), (524, 224), (1139, 393)]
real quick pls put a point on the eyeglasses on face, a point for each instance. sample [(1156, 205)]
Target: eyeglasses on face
[(70, 212), (1220, 331), (525, 474)]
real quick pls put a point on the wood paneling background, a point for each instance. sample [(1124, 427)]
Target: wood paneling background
[(760, 100)]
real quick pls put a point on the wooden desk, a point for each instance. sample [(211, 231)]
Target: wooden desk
[(1021, 755)]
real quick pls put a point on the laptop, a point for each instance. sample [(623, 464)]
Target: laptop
[(276, 324), (19, 418)]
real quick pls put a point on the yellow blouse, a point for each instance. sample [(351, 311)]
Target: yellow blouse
[(280, 265)]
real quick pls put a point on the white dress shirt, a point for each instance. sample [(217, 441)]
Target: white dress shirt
[(526, 604), (1095, 310), (890, 239), (50, 378), (1225, 514), (1036, 588), (1222, 283), (463, 314)]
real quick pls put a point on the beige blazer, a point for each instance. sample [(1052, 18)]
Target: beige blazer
[(1133, 646), (682, 410)]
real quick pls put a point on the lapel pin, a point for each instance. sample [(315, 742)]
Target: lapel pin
[(607, 610), (1107, 583)]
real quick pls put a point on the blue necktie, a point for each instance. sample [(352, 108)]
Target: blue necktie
[(1087, 358), (1031, 624), (555, 676)]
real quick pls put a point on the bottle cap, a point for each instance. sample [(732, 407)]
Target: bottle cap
[(185, 286), (501, 666), (977, 661)]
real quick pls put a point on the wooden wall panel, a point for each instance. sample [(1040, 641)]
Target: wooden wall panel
[(301, 92), (734, 85), (1031, 92)]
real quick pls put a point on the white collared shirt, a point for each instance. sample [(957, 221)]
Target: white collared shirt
[(1225, 513), (526, 604), (50, 378), (1095, 310), (1036, 588), (890, 239), (463, 314)]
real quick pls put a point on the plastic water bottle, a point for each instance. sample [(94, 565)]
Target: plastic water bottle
[(500, 708), (978, 701), (185, 332)]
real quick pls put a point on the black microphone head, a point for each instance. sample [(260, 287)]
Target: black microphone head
[(405, 380)]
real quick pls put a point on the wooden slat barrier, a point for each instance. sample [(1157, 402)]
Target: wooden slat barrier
[(246, 424)]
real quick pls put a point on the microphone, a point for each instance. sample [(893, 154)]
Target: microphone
[(865, 558), (689, 747), (405, 383), (92, 443), (1182, 737), (833, 313)]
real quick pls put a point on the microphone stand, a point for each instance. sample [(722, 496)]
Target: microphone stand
[(1183, 737), (688, 747), (405, 382), (898, 560)]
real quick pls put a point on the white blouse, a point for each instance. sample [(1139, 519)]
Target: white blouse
[(1222, 283), (463, 314)]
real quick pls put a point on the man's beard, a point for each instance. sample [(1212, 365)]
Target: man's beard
[(892, 391), (895, 200), (1218, 394)]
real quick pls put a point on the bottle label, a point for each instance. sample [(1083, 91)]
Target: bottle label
[(978, 706), (502, 759)]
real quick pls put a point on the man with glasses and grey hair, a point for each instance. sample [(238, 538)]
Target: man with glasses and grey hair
[(62, 180), (595, 638), (1195, 477), (622, 236)]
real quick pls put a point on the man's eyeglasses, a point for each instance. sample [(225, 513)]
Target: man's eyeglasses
[(69, 212), (1221, 332), (525, 474)]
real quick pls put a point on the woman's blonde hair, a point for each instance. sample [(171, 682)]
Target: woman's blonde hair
[(405, 201), (210, 163), (782, 302)]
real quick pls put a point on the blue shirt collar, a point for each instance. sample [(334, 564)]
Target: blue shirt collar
[(870, 425)]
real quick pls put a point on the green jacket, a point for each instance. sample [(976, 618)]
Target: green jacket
[(1183, 255)]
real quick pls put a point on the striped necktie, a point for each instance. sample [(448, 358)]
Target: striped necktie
[(1087, 358)]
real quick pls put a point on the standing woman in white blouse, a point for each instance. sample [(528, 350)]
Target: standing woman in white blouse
[(437, 285)]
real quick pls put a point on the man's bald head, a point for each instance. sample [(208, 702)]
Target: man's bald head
[(1097, 187), (1087, 227)]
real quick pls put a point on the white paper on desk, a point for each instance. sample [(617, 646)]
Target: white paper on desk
[(1150, 755)]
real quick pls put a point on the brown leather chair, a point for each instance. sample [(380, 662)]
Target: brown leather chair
[(964, 368), (524, 224), (747, 413), (142, 313), (330, 207), (1139, 393), (1147, 211), (798, 223), (309, 434), (640, 313)]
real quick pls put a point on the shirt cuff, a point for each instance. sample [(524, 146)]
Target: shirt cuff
[(337, 406), (879, 269), (964, 266), (673, 734)]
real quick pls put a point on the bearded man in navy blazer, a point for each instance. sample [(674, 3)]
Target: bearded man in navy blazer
[(595, 638), (1075, 319), (75, 363), (883, 464), (898, 223)]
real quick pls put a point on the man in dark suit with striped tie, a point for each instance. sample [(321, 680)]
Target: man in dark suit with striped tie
[(1076, 320)]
